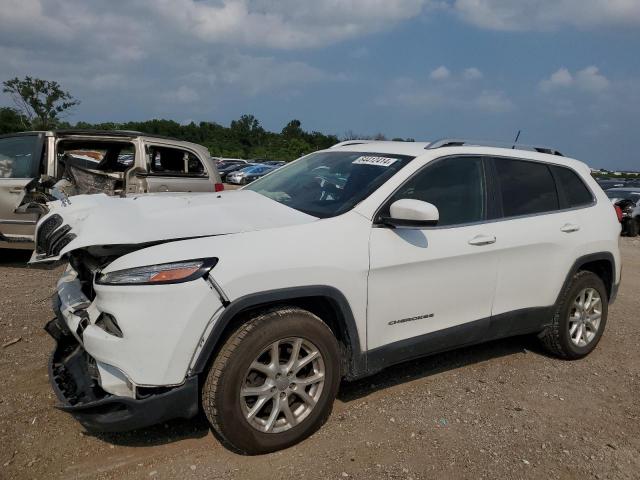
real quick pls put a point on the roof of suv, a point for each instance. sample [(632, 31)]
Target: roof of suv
[(417, 149)]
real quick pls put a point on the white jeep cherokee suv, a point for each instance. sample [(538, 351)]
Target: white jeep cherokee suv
[(253, 304)]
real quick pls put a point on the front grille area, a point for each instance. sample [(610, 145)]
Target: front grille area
[(45, 230), (52, 237), (57, 247)]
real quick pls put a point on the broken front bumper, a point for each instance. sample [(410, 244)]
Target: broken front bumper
[(75, 381)]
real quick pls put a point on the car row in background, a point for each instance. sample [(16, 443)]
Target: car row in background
[(608, 183), (627, 203), (240, 172), (249, 174)]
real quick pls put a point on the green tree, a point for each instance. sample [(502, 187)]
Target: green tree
[(41, 102), (11, 121), (293, 129)]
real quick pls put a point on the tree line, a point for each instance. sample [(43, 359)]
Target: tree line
[(42, 105)]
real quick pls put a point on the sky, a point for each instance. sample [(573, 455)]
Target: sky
[(564, 72)]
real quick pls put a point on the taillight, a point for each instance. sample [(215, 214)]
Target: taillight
[(618, 212), (218, 187)]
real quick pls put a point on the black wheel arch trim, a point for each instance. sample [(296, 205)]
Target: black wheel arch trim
[(612, 288), (355, 364)]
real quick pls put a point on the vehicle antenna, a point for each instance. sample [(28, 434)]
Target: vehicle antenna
[(516, 141)]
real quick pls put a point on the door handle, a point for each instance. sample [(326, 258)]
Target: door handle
[(480, 240), (569, 228)]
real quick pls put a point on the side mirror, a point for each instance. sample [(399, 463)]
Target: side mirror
[(408, 213)]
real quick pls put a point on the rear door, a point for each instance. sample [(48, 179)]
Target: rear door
[(20, 159), (537, 237), (173, 169)]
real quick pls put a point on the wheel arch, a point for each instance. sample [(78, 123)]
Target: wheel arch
[(326, 302), (602, 264)]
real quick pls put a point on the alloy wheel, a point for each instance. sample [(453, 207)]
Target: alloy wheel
[(585, 316), (282, 385)]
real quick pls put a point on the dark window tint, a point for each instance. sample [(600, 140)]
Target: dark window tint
[(575, 192), (454, 185), (527, 187)]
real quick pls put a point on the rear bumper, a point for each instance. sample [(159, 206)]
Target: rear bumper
[(75, 381)]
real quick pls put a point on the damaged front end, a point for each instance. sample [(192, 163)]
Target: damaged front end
[(85, 387)]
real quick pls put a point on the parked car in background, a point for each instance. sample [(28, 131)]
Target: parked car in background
[(425, 247), (225, 168), (249, 174), (606, 184), (219, 160), (38, 167), (274, 163), (628, 201)]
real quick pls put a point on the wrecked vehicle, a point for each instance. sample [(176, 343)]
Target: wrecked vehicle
[(39, 167)]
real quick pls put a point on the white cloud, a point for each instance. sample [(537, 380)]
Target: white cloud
[(588, 80), (436, 95), (548, 14), (255, 75), (493, 101), (559, 79), (440, 73), (472, 73), (284, 24), (186, 94)]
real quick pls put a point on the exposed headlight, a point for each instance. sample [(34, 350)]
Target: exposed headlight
[(175, 272)]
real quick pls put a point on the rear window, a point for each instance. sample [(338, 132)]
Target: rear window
[(576, 194), (19, 156), (527, 187)]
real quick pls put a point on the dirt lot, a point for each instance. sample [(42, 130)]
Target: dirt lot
[(501, 410)]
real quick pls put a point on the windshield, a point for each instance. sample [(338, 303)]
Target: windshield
[(20, 156), (326, 184)]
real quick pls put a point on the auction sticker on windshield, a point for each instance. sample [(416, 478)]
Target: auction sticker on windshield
[(379, 161)]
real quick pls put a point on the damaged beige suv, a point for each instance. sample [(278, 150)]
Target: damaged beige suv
[(38, 167)]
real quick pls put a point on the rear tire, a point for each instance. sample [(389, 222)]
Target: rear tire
[(633, 227), (580, 318), (263, 356)]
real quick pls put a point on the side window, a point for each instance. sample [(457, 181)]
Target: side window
[(18, 156), (195, 166), (527, 187), (174, 161), (454, 185), (576, 193)]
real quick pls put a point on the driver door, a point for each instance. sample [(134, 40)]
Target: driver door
[(432, 289), (20, 158)]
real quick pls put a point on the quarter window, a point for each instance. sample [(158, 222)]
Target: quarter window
[(576, 194), (454, 185), (173, 161), (527, 187)]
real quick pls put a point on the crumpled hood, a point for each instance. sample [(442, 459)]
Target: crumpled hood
[(103, 220)]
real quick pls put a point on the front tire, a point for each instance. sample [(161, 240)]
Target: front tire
[(273, 382), (580, 318)]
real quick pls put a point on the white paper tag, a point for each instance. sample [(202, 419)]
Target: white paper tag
[(378, 161)]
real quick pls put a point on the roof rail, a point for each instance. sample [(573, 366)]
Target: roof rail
[(351, 142), (459, 142)]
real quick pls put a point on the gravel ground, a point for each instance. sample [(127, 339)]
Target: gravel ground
[(500, 410)]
